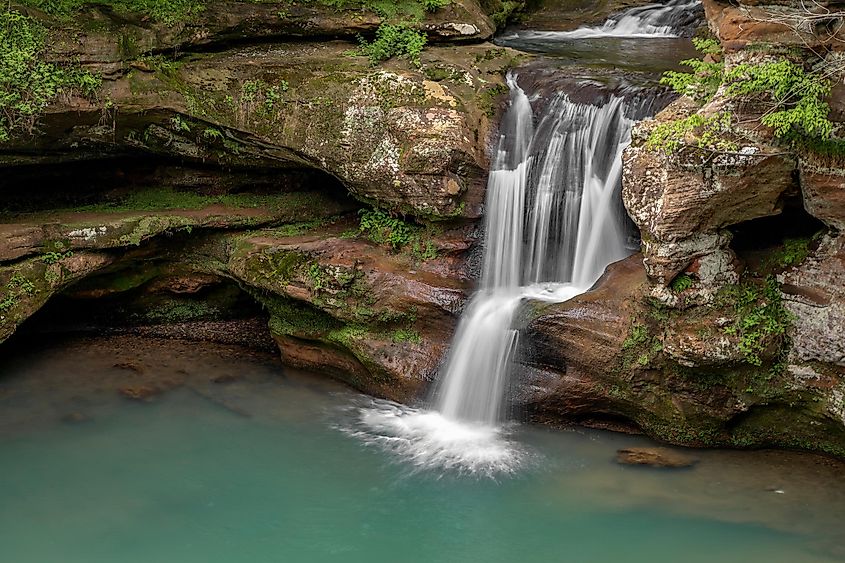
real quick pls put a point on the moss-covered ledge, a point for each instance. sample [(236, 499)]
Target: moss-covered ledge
[(413, 140), (110, 34)]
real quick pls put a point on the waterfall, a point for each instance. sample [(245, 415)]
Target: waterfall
[(553, 222), (653, 20)]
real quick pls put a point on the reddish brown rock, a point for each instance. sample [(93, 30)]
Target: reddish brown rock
[(746, 22), (655, 457), (682, 202), (823, 189)]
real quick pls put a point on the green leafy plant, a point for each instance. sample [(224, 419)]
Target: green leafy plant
[(28, 84), (794, 98), (179, 124), (706, 76), (798, 109), (16, 287), (318, 278), (381, 228), (54, 257), (391, 40), (760, 318), (681, 283), (637, 336), (794, 252)]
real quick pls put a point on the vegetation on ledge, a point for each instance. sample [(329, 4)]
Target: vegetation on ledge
[(28, 84), (791, 95)]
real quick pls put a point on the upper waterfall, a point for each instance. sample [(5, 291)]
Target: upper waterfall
[(672, 19)]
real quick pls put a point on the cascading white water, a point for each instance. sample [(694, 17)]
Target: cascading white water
[(567, 234), (576, 228), (477, 367), (553, 222), (652, 20)]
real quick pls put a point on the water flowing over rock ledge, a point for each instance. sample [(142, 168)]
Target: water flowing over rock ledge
[(226, 182)]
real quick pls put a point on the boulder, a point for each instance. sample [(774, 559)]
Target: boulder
[(683, 202)]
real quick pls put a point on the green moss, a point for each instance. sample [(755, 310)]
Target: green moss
[(506, 12), (296, 229), (120, 281), (28, 84), (167, 199), (640, 347), (760, 318), (406, 335), (489, 97), (295, 318), (283, 266), (163, 11)]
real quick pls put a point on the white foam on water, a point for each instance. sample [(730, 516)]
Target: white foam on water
[(427, 440)]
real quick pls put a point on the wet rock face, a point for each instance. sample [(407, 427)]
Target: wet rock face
[(741, 23), (278, 134), (390, 135), (684, 202), (377, 318), (266, 89), (613, 357), (655, 344), (105, 40), (815, 293), (823, 189)]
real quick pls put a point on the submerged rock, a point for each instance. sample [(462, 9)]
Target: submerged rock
[(655, 457)]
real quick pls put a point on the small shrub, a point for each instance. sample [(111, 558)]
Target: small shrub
[(318, 278), (706, 132), (54, 257), (381, 228), (794, 252), (636, 337), (797, 111), (391, 40)]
